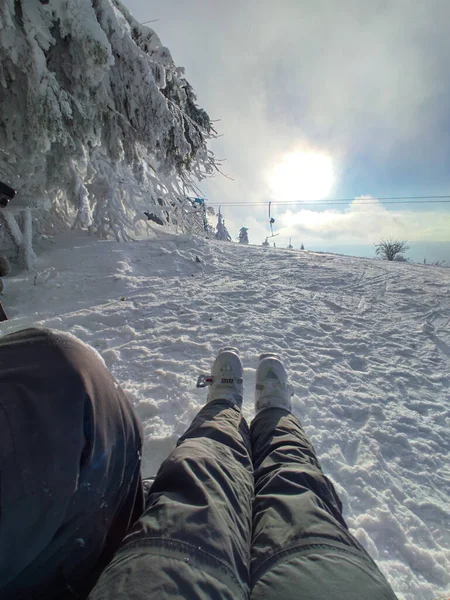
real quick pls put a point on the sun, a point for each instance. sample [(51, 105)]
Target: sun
[(302, 175)]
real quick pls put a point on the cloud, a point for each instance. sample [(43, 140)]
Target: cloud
[(366, 220)]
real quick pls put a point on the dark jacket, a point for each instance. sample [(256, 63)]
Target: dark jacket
[(70, 483)]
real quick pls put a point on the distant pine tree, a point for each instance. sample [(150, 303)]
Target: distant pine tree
[(243, 235), (222, 232)]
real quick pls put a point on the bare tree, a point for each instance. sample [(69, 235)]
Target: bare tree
[(391, 249)]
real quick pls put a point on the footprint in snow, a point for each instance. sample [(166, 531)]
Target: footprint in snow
[(357, 363)]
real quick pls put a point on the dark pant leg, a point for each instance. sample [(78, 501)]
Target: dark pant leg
[(70, 484), (301, 547), (193, 540)]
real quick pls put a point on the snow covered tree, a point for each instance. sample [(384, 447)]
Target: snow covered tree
[(97, 123), (391, 249), (243, 235), (222, 232)]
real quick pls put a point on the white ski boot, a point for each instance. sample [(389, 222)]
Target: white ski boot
[(225, 380), (272, 387)]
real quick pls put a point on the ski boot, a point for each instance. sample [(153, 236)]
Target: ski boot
[(225, 381), (272, 388)]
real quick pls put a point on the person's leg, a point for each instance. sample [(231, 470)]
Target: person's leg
[(301, 546), (69, 465), (193, 540)]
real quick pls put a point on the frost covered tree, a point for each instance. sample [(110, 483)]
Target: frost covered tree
[(97, 123), (391, 249), (222, 231), (243, 235)]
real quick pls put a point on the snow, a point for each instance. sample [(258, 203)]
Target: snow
[(367, 345)]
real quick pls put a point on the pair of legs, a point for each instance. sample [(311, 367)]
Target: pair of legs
[(232, 512), (238, 512)]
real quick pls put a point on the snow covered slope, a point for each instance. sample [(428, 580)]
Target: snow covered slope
[(367, 345)]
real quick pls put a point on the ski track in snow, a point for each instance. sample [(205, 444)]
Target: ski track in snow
[(367, 345)]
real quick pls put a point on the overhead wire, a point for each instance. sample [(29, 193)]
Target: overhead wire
[(387, 200)]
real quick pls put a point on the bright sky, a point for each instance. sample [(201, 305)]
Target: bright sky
[(318, 99)]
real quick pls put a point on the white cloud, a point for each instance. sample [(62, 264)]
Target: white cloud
[(366, 220)]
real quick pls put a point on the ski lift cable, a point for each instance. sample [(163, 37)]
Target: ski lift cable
[(330, 203), (427, 199), (445, 199)]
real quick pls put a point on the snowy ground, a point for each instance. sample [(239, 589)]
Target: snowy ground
[(367, 345)]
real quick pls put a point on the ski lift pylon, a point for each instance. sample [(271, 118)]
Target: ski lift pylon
[(271, 222)]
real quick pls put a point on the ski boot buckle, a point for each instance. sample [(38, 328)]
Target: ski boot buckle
[(204, 380)]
